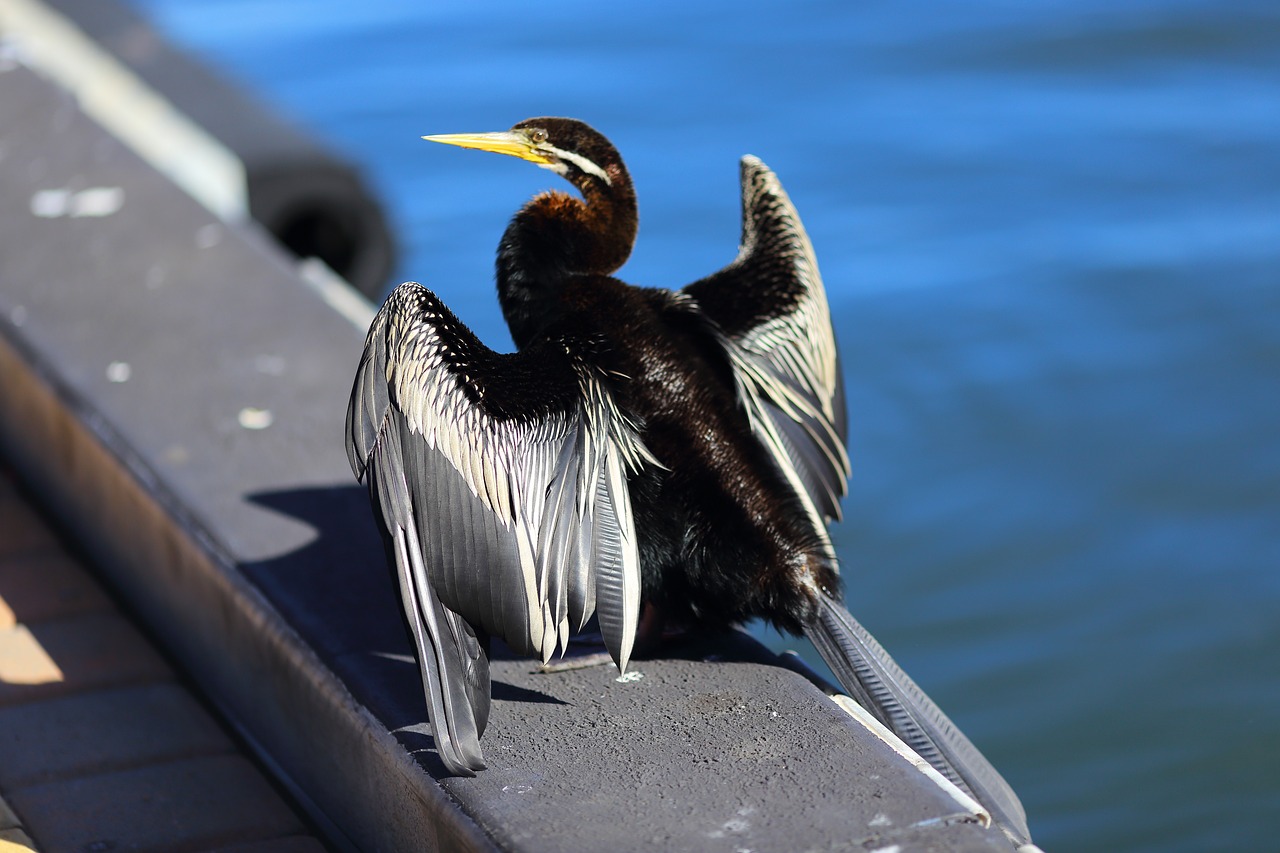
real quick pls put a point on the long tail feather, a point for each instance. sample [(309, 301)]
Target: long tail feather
[(876, 681)]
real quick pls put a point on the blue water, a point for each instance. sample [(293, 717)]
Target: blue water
[(1051, 238)]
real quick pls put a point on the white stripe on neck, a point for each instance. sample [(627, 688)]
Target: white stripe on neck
[(581, 162)]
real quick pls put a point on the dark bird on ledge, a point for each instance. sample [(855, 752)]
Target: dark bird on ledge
[(683, 449)]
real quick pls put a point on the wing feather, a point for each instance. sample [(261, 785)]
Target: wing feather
[(770, 309), (501, 483), (616, 562)]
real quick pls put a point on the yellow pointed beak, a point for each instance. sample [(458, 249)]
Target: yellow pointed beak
[(507, 142)]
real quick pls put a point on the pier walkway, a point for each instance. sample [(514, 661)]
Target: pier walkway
[(103, 746)]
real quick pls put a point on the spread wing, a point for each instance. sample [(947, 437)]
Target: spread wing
[(773, 319), (500, 482), (771, 310)]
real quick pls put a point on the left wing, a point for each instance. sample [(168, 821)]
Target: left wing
[(500, 485), (771, 311)]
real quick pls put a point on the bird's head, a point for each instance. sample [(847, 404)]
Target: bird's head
[(566, 146)]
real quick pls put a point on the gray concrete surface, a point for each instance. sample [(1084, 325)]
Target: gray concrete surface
[(209, 475)]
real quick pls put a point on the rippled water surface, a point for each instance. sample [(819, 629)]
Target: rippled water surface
[(1051, 238)]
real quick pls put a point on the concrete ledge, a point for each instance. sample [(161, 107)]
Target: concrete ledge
[(171, 386)]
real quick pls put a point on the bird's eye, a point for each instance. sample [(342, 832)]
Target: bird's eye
[(538, 135)]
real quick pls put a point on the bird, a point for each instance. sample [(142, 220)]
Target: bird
[(679, 452)]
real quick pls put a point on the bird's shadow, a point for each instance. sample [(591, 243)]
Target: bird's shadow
[(338, 592)]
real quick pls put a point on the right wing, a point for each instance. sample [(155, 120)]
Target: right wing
[(500, 483)]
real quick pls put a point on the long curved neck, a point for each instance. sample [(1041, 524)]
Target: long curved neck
[(556, 236)]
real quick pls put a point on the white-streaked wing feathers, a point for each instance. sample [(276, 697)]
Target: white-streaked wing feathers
[(771, 311), (519, 523)]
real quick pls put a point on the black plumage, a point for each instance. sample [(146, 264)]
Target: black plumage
[(681, 448)]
